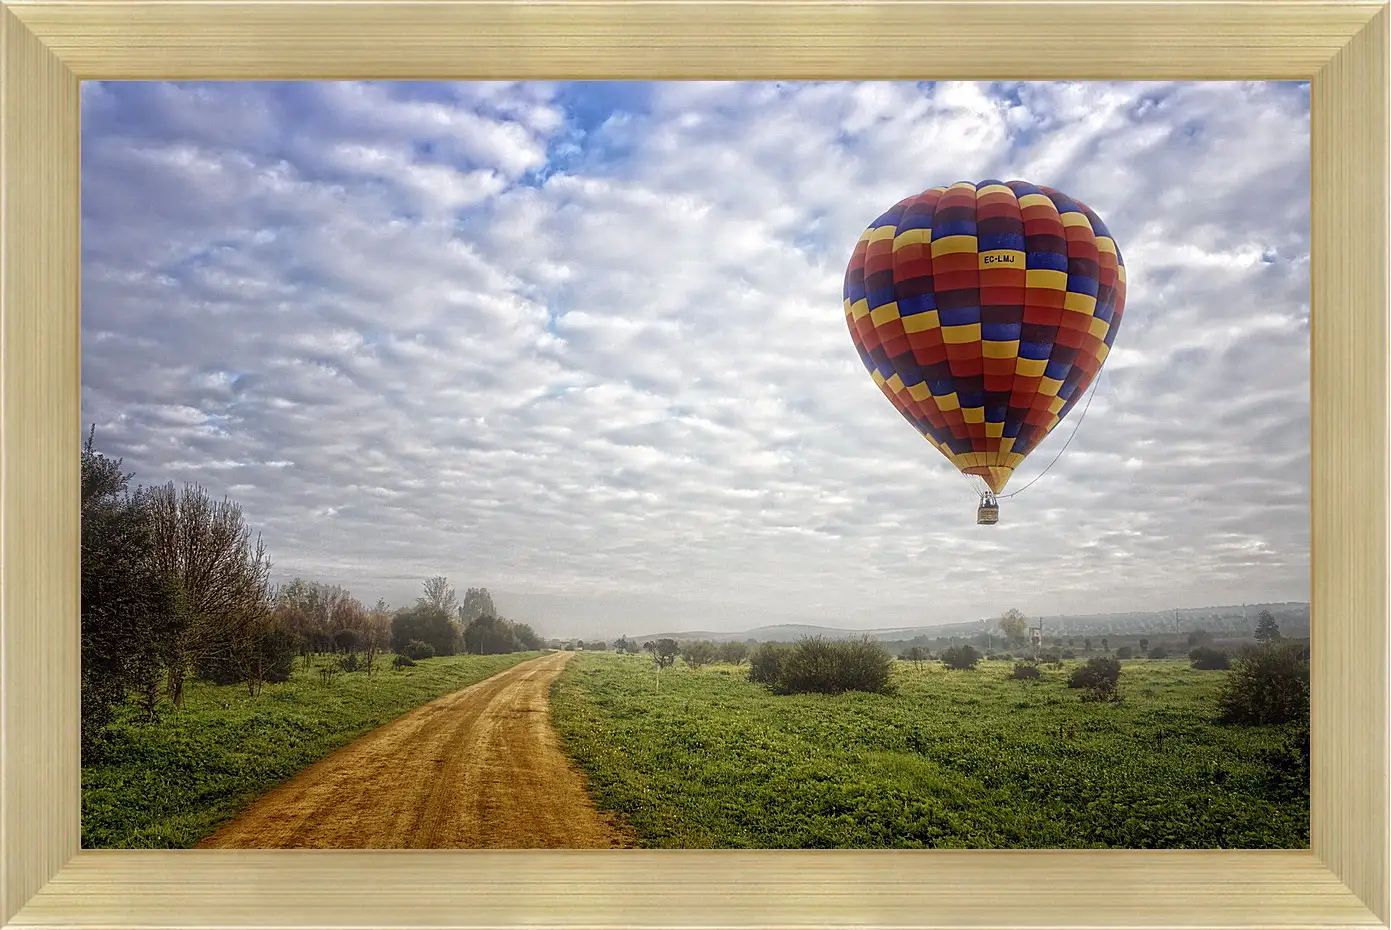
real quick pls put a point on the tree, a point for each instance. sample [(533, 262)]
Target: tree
[(1014, 625), (477, 603), (734, 652), (624, 645), (1087, 644), (698, 653), (1144, 644), (488, 636), (1267, 630), (664, 652), (439, 595), (1199, 637), (127, 605), (203, 549), (1105, 644), (527, 638), (427, 624), (915, 654)]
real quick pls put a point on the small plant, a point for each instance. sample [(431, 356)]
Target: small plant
[(401, 662), (350, 662), (416, 649), (1024, 672), (1069, 654), (1158, 652), (963, 657), (1208, 659), (1125, 652), (328, 673), (827, 667)]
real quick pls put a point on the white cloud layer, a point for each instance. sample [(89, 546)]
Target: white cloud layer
[(584, 345)]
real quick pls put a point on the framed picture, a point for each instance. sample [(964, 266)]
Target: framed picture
[(51, 46)]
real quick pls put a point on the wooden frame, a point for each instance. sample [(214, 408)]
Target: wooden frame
[(51, 45)]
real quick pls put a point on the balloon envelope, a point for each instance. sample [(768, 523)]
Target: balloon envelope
[(983, 312)]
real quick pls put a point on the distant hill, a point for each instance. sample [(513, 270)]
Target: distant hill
[(1292, 616)]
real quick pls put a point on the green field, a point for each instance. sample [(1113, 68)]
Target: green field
[(954, 759), (170, 783)]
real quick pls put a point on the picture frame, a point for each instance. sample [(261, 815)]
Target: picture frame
[(50, 46)]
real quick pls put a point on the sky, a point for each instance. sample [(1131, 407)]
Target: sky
[(584, 344)]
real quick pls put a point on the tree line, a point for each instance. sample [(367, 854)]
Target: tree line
[(175, 587)]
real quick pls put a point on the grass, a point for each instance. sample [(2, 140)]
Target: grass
[(168, 784), (954, 759)]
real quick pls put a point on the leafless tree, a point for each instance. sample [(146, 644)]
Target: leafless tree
[(221, 577)]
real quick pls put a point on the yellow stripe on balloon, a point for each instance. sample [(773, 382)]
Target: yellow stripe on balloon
[(1049, 386), (960, 335), (919, 391), (1075, 219), (1035, 200), (920, 322), (973, 414), (885, 314), (948, 402), (952, 245), (1001, 258), (1099, 327), (1046, 278), (883, 232), (993, 189), (994, 430), (993, 349), (1083, 303), (1031, 367), (912, 237)]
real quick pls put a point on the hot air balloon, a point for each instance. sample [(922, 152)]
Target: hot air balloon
[(983, 312)]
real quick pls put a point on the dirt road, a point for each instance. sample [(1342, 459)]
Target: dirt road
[(481, 767)]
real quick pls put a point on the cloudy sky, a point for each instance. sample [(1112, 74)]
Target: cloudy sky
[(584, 344)]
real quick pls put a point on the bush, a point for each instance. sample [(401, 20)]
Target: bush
[(415, 649), (700, 652), (350, 662), (1023, 671), (1100, 673), (1050, 657), (402, 662), (765, 663), (1269, 683), (1208, 659), (963, 657), (820, 666), (1069, 654), (1125, 652), (1158, 652)]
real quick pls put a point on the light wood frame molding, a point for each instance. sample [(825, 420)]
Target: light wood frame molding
[(49, 46)]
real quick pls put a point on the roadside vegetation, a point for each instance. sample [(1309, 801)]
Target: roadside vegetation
[(1100, 753), (203, 683)]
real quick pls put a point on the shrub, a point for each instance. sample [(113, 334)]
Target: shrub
[(1050, 657), (1125, 652), (1069, 654), (350, 662), (402, 662), (1023, 671), (415, 649), (1158, 652), (1206, 658), (1100, 673), (327, 673), (765, 663), (961, 657), (824, 667), (1269, 683)]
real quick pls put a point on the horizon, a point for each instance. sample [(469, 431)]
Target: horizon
[(418, 329)]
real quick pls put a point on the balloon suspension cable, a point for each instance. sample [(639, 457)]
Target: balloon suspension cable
[(1083, 416)]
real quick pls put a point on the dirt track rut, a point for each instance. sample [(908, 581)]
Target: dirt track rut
[(479, 768)]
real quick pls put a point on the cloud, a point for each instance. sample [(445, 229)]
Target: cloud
[(583, 344)]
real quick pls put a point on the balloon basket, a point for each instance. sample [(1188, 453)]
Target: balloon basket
[(988, 513)]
